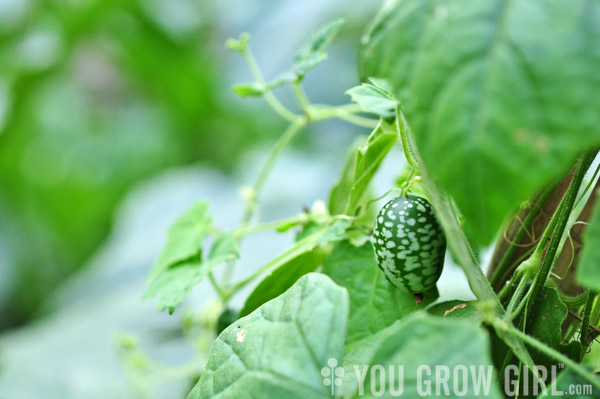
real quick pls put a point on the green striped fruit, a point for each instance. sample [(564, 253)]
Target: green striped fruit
[(409, 244)]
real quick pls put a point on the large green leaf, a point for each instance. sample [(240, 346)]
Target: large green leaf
[(283, 278), (374, 302), (174, 283), (359, 353), (360, 169), (185, 237), (278, 350), (427, 341), (588, 268), (500, 95)]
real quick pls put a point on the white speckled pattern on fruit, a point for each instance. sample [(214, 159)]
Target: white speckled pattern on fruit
[(409, 244)]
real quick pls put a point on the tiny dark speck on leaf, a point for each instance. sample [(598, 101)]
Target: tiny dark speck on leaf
[(238, 326)]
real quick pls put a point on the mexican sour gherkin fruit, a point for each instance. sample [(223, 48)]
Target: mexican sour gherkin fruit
[(409, 244)]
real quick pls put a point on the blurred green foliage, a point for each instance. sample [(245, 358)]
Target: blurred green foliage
[(94, 96)]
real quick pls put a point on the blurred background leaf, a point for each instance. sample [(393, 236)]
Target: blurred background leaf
[(98, 95)]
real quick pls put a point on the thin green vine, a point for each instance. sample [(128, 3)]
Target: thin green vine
[(585, 330), (577, 368), (310, 113)]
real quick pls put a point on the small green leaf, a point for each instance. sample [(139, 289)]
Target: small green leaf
[(588, 268), (185, 237), (368, 160), (225, 247), (278, 350), (252, 89), (173, 284), (374, 302), (384, 86), (282, 79), (359, 353), (283, 278), (375, 100), (313, 52), (360, 169)]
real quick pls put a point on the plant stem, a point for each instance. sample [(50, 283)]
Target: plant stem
[(506, 289), (312, 112), (595, 317), (301, 99), (504, 267), (290, 133), (319, 112), (557, 225), (457, 241), (585, 329), (587, 187), (522, 304), (217, 287), (268, 96), (516, 296), (274, 225), (252, 201), (552, 353)]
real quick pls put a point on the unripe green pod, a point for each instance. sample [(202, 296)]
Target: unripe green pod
[(409, 244)]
